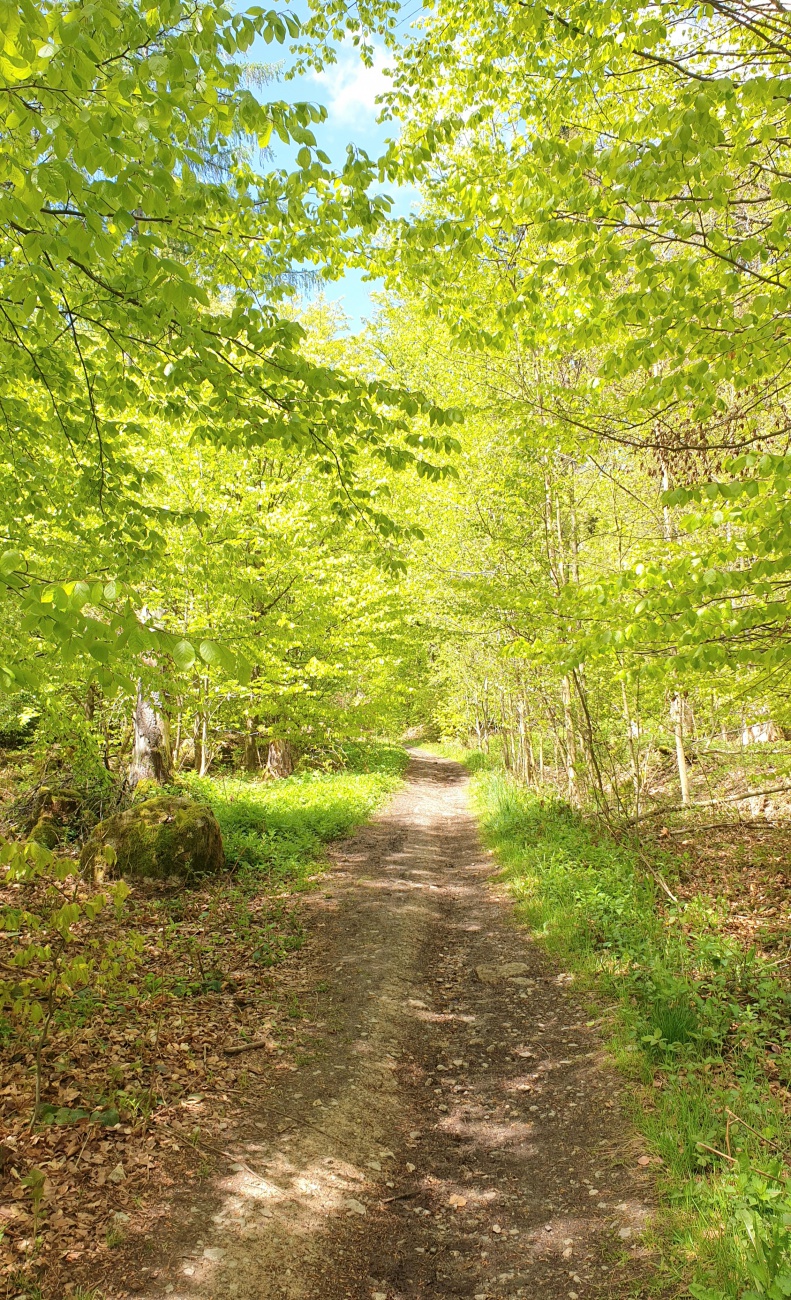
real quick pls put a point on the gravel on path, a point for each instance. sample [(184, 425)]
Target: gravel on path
[(459, 1132)]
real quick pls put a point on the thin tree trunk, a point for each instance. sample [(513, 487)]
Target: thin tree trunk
[(574, 531), (177, 745), (589, 742), (633, 732), (677, 716), (205, 754), (524, 752), (91, 696), (571, 743), (252, 758)]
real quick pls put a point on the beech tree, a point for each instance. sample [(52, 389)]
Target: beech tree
[(145, 253)]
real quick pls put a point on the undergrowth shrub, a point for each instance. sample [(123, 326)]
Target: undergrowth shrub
[(277, 828), (69, 753), (19, 717), (694, 1012), (57, 948)]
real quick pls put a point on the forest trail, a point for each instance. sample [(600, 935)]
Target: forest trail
[(458, 1131)]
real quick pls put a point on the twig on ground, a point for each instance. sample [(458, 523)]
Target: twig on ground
[(658, 877), (738, 1119), (732, 1160), (717, 826), (709, 803), (268, 1043)]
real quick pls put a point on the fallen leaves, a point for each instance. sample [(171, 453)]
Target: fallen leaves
[(127, 1085)]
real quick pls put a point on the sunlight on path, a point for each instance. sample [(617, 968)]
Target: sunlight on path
[(457, 1134)]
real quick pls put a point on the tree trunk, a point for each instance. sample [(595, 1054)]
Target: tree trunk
[(177, 746), (633, 735), (252, 758), (91, 697), (677, 716), (525, 756), (280, 759), (151, 759), (571, 744), (205, 752)]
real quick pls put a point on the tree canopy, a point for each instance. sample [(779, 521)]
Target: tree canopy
[(595, 281)]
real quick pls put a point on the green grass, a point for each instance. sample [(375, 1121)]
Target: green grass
[(277, 829), (475, 760), (687, 1008)]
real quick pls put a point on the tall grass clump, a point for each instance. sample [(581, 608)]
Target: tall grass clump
[(275, 829), (700, 1025)]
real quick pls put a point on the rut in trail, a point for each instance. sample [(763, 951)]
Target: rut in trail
[(459, 1133)]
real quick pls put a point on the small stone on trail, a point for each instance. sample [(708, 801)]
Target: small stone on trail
[(373, 1164), (354, 1207), (410, 1167), (504, 971), (116, 1175), (214, 1254)]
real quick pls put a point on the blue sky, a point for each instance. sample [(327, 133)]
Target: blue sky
[(348, 91)]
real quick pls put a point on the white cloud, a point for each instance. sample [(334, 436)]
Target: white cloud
[(349, 89)]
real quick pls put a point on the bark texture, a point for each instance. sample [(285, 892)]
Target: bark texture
[(151, 757), (280, 759)]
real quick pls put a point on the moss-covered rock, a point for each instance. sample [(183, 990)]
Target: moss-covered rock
[(159, 838), (57, 816), (46, 831)]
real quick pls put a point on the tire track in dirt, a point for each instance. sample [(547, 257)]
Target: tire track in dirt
[(458, 1134)]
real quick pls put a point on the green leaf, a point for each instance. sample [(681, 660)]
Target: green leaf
[(184, 655)]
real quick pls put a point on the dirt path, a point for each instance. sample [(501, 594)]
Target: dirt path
[(456, 1132)]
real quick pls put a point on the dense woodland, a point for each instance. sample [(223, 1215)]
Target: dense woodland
[(538, 511)]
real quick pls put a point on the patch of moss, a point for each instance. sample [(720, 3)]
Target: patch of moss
[(160, 838)]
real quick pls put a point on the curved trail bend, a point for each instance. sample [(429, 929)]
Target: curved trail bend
[(457, 1132)]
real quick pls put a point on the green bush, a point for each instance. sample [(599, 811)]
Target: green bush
[(19, 717), (277, 828)]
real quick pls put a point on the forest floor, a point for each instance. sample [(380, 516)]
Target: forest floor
[(450, 1126)]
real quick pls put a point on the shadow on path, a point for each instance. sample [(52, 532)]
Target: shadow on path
[(458, 1132)]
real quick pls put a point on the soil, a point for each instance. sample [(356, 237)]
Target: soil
[(454, 1129)]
